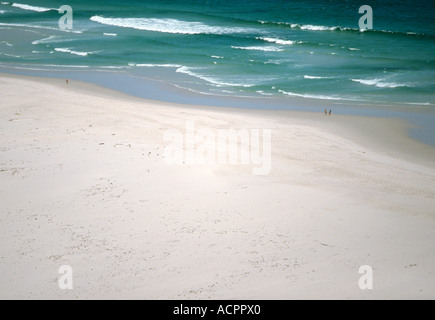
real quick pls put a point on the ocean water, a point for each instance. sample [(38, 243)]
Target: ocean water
[(268, 48)]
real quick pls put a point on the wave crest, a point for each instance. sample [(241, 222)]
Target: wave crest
[(310, 27), (254, 48), (77, 53), (168, 25), (310, 96), (315, 77), (216, 82), (277, 41), (34, 26), (152, 65), (381, 84), (31, 8)]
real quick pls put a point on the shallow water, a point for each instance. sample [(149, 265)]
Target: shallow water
[(283, 49)]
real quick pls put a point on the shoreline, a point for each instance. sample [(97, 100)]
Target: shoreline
[(85, 184), (120, 80), (420, 118), (396, 137)]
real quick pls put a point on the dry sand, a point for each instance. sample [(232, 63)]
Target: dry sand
[(84, 184)]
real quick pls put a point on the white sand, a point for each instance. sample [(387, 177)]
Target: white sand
[(84, 184)]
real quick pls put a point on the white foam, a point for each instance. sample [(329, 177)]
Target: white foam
[(213, 81), (217, 57), (418, 103), (381, 84), (354, 49), (315, 77), (310, 96), (264, 93), (277, 41), (276, 62), (31, 8), (2, 11), (309, 27), (317, 28), (168, 25), (112, 67), (7, 43), (63, 66), (320, 28), (77, 53), (50, 39), (37, 27), (267, 48), (110, 34), (151, 65), (11, 55)]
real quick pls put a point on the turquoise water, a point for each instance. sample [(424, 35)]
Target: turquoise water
[(286, 49)]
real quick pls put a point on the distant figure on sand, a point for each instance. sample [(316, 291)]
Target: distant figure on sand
[(330, 112), (326, 112), (67, 81)]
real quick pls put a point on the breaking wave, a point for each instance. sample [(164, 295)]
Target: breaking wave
[(31, 8), (77, 53), (255, 48), (380, 83), (168, 25)]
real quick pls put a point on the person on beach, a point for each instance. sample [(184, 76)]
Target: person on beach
[(326, 112), (67, 81), (330, 111)]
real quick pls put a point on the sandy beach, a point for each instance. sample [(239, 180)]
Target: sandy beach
[(84, 183)]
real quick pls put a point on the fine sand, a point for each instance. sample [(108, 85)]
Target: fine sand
[(84, 183)]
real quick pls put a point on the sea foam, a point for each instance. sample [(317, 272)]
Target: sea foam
[(35, 26), (50, 39), (255, 48), (311, 96), (168, 25), (152, 65), (277, 41), (216, 82), (31, 8), (315, 77), (380, 83), (77, 53)]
